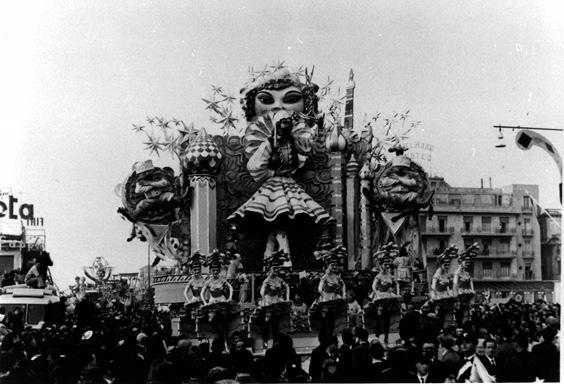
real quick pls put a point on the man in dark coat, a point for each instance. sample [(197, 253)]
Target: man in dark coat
[(522, 367), (344, 365), (547, 356), (361, 359), (319, 355)]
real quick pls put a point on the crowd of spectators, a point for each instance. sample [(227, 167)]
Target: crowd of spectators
[(107, 342)]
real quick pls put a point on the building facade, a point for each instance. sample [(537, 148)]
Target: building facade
[(501, 221), (550, 222), (21, 232)]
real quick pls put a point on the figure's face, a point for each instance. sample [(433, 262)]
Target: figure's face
[(290, 98), (386, 267), (445, 265), (275, 270), (196, 269), (215, 271), (333, 267)]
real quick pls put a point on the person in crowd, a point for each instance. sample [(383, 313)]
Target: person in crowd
[(243, 365), (547, 356), (344, 366), (437, 369), (218, 357), (447, 355), (329, 371), (398, 367), (421, 374), (467, 354), (321, 353), (281, 355), (361, 360), (522, 367), (484, 369), (376, 350)]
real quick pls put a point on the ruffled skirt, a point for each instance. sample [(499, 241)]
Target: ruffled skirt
[(278, 196)]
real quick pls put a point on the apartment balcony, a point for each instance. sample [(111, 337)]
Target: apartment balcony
[(488, 231), (528, 254), (527, 232), (434, 231), (527, 209)]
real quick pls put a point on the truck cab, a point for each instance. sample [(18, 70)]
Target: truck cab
[(31, 301)]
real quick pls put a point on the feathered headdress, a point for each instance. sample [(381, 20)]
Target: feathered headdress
[(470, 252), (195, 260), (216, 259), (387, 253), (276, 259), (449, 254), (336, 255)]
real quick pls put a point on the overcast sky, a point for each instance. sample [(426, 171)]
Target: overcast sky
[(75, 75)]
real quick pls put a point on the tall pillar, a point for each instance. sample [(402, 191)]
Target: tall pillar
[(365, 220), (352, 204), (200, 163), (203, 213), (337, 197)]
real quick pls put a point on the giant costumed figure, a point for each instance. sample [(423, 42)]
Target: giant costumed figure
[(150, 196), (282, 115), (400, 190), (463, 285), (329, 312), (384, 309)]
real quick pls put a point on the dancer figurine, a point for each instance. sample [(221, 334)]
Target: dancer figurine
[(331, 306), (195, 283), (385, 306), (281, 110), (463, 284), (442, 294), (275, 298), (220, 308)]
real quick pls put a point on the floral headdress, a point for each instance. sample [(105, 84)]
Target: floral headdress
[(449, 254), (387, 253), (470, 252), (278, 77)]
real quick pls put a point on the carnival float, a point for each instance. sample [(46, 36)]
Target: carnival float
[(298, 198)]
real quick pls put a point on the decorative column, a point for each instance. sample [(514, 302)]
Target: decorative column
[(337, 196), (365, 219), (201, 162), (352, 205)]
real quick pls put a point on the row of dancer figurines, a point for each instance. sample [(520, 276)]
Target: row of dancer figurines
[(210, 304)]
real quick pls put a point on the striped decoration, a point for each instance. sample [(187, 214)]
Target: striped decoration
[(282, 195)]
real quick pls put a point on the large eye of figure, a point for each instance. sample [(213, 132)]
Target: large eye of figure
[(292, 97), (265, 98)]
